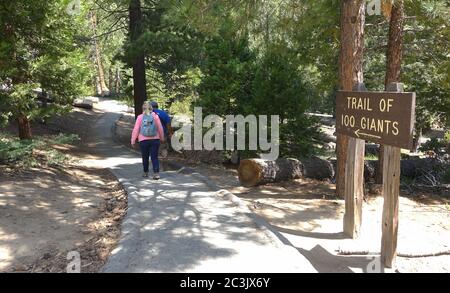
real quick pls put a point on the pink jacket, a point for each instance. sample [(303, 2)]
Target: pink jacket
[(137, 129)]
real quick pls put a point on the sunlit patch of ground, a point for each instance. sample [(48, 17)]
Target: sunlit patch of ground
[(47, 212), (44, 214), (308, 216)]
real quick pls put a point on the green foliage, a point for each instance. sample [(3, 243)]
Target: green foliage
[(370, 157), (435, 145), (20, 99), (230, 57), (314, 31), (228, 73), (278, 89), (172, 53), (447, 136), (182, 106), (33, 153), (446, 175), (63, 139), (426, 63), (237, 81), (12, 150), (38, 50), (280, 57)]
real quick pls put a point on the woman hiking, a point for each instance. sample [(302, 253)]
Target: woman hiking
[(149, 132)]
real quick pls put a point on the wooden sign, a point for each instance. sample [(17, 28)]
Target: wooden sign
[(381, 117)]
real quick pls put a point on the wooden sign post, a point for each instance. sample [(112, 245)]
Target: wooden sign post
[(354, 180), (391, 193), (386, 118)]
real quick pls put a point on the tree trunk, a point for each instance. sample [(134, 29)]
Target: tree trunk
[(22, 120), (395, 44), (393, 60), (138, 64), (24, 127), (111, 84), (350, 70), (102, 88), (416, 140), (118, 81), (97, 85)]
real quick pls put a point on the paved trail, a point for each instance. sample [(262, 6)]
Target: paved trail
[(178, 224)]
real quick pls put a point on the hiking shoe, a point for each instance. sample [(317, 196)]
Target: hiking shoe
[(156, 176), (145, 175)]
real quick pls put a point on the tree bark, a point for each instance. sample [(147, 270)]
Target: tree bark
[(416, 140), (22, 120), (97, 85), (393, 61), (111, 81), (138, 63), (350, 70), (117, 80), (253, 172), (395, 44), (102, 89), (24, 127)]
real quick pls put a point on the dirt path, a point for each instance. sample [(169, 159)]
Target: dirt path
[(47, 212), (307, 215), (181, 224)]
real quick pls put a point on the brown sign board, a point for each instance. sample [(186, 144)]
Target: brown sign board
[(386, 118)]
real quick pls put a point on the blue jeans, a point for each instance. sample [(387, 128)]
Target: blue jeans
[(150, 148)]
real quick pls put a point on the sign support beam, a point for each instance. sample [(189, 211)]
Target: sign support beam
[(391, 192), (354, 182)]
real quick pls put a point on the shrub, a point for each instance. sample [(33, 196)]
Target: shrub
[(434, 145), (32, 153)]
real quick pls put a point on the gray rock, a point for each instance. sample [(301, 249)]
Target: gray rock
[(317, 168), (82, 103)]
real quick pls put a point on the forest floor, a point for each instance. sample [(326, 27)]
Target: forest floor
[(309, 217), (48, 211)]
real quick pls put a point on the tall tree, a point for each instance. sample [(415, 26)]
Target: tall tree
[(395, 43), (100, 82), (350, 70), (138, 57), (394, 56), (38, 49), (425, 60)]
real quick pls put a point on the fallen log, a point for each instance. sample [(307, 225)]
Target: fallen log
[(253, 172), (405, 255)]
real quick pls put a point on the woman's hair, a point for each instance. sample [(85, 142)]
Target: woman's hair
[(147, 108)]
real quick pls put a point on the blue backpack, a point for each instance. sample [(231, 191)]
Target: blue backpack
[(148, 126)]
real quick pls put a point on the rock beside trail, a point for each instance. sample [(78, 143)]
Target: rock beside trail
[(84, 103), (204, 156), (317, 168), (94, 100)]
